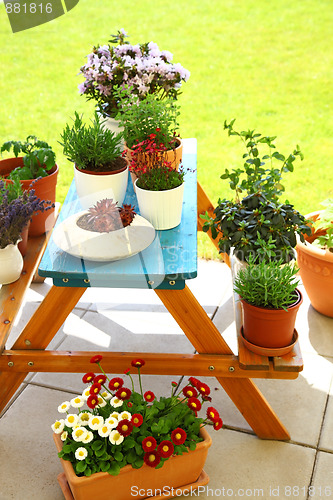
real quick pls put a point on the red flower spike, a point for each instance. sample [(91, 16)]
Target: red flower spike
[(92, 401), (152, 459), (194, 404), (123, 393), (178, 436), (138, 363), (190, 392), (88, 377), (125, 427), (96, 359), (137, 419), (149, 444), (100, 379), (149, 396), (203, 389), (212, 414), (194, 381), (218, 424), (116, 383), (95, 389), (165, 449)]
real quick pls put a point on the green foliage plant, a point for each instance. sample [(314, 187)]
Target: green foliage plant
[(91, 147), (141, 118), (38, 157), (124, 427), (267, 284), (325, 223)]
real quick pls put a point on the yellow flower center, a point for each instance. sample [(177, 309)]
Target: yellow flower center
[(57, 425), (165, 448), (84, 417), (71, 419), (116, 401), (104, 429), (77, 400), (211, 414), (194, 404), (63, 406), (116, 384), (79, 432), (81, 453), (151, 458), (125, 428), (190, 393), (149, 444), (178, 435), (95, 421), (123, 394), (136, 420), (116, 436)]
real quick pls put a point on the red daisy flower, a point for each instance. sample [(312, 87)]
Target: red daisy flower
[(96, 359), (149, 396), (218, 424), (178, 436), (100, 379), (125, 427), (203, 389), (88, 377), (115, 383), (152, 458), (149, 443), (174, 384), (95, 389), (123, 393), (194, 381), (212, 414), (137, 419), (206, 398), (190, 392), (137, 363), (165, 449), (127, 371), (194, 404), (92, 401)]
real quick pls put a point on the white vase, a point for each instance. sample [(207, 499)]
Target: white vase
[(92, 187), (162, 208), (113, 125), (11, 264)]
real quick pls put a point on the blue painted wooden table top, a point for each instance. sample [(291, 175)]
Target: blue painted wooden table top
[(165, 264)]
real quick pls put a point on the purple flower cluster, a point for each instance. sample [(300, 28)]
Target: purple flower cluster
[(143, 67), (16, 213)]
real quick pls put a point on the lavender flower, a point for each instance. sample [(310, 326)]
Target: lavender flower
[(144, 67), (16, 210)]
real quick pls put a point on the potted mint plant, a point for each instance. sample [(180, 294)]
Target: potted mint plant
[(100, 171), (37, 163), (315, 260), (112, 436), (270, 300)]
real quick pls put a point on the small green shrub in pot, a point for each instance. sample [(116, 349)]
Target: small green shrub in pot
[(324, 224)]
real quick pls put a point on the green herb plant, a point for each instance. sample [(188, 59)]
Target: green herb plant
[(38, 158), (267, 284), (91, 147), (325, 223)]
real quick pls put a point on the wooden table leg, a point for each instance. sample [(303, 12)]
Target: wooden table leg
[(38, 333), (206, 338)]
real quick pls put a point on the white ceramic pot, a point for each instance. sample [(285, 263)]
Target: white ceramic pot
[(92, 187), (162, 208), (113, 125), (11, 264)]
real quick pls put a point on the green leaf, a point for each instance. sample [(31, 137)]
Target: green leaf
[(114, 469), (81, 466), (118, 456), (97, 445)]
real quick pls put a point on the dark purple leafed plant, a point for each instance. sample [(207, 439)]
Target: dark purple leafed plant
[(16, 210)]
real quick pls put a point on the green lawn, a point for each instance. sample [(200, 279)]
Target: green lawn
[(268, 64)]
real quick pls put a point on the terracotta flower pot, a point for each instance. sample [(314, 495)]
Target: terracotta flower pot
[(316, 270), (95, 186), (45, 189), (172, 156), (270, 327), (176, 472)]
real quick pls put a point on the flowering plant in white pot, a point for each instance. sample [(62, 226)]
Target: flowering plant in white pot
[(144, 67)]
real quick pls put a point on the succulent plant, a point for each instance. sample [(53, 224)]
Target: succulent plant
[(106, 216)]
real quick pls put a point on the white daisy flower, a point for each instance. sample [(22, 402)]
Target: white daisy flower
[(95, 422), (79, 433), (104, 430), (84, 418), (64, 407), (115, 415), (125, 415), (71, 420), (106, 395), (77, 402), (101, 402), (115, 402), (115, 437), (58, 426), (81, 453), (111, 422), (89, 437), (64, 436), (86, 393)]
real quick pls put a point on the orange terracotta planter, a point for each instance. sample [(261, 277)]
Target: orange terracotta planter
[(270, 328), (316, 271), (176, 472), (45, 189)]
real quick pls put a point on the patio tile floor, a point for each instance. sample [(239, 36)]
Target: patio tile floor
[(239, 464)]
